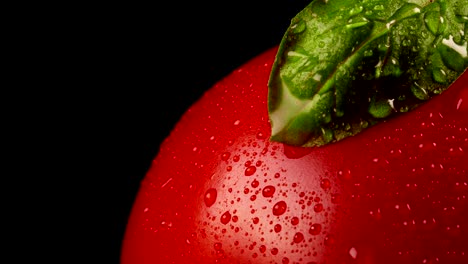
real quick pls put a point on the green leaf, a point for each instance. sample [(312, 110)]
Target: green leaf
[(344, 66)]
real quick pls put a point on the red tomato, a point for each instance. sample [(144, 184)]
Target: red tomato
[(220, 192)]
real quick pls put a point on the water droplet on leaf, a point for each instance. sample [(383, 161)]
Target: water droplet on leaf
[(379, 7), (355, 10), (432, 20), (299, 26)]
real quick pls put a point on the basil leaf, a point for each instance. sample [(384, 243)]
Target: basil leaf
[(344, 66)]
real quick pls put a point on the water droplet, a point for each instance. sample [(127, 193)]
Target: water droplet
[(274, 251), (335, 198), (315, 229), (225, 156), (325, 184), (462, 101), (379, 108), (294, 220), (220, 254), (260, 135), (298, 237), (432, 20), (439, 75), (268, 191), (237, 122), (218, 246), (355, 10), (255, 183), (277, 228), (210, 197), (226, 217), (406, 42), (249, 171), (298, 27), (318, 208), (329, 240), (404, 109), (379, 7), (262, 248), (285, 260), (255, 220), (345, 175), (279, 208), (353, 253), (368, 53)]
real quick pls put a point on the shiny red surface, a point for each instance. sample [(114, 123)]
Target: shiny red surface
[(219, 192)]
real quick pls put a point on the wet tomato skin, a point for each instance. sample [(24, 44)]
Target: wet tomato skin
[(219, 191)]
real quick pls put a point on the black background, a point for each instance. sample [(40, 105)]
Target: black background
[(126, 75), (170, 56)]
